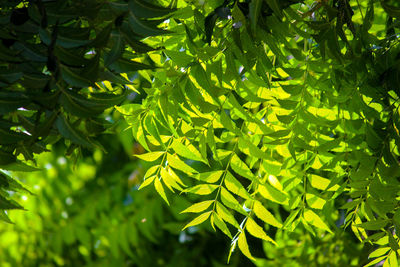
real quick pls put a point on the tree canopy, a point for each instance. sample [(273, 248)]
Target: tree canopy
[(273, 121)]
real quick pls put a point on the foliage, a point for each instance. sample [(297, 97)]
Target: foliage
[(62, 64), (285, 114), (281, 117)]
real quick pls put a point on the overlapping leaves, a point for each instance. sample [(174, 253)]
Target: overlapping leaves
[(62, 65), (289, 106)]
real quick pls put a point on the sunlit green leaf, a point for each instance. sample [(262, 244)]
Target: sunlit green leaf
[(198, 220)]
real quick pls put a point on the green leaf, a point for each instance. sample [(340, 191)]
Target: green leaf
[(19, 166), (11, 184), (199, 74), (250, 149), (170, 179), (102, 37), (74, 78), (199, 207), (255, 230), (175, 162), (230, 201), (377, 260), (127, 66), (255, 10), (151, 156), (226, 215), (69, 132), (244, 247), (78, 105), (188, 151), (233, 185), (145, 9), (203, 148), (179, 58), (138, 133), (147, 181), (228, 123), (241, 168), (11, 137), (211, 141), (273, 194), (10, 101), (4, 217), (392, 241), (290, 219), (373, 225), (8, 204), (130, 109), (321, 183), (142, 27), (210, 177), (151, 127), (220, 224), (314, 201), (379, 252), (160, 189), (393, 255), (132, 40), (209, 24), (198, 220), (313, 219), (265, 215), (202, 189)]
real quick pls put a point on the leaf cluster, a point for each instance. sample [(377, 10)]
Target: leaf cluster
[(279, 105), (63, 64)]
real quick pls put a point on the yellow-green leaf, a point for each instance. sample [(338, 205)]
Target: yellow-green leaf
[(175, 162), (202, 189), (244, 247), (321, 183), (230, 201), (187, 151), (174, 176), (169, 180), (275, 182), (375, 261), (314, 201), (220, 224), (233, 185), (147, 181), (250, 149), (152, 170), (151, 156), (313, 219), (379, 252), (198, 220), (265, 215), (226, 215), (273, 194), (160, 189), (393, 259), (241, 168), (255, 230), (199, 207), (228, 123), (210, 177)]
